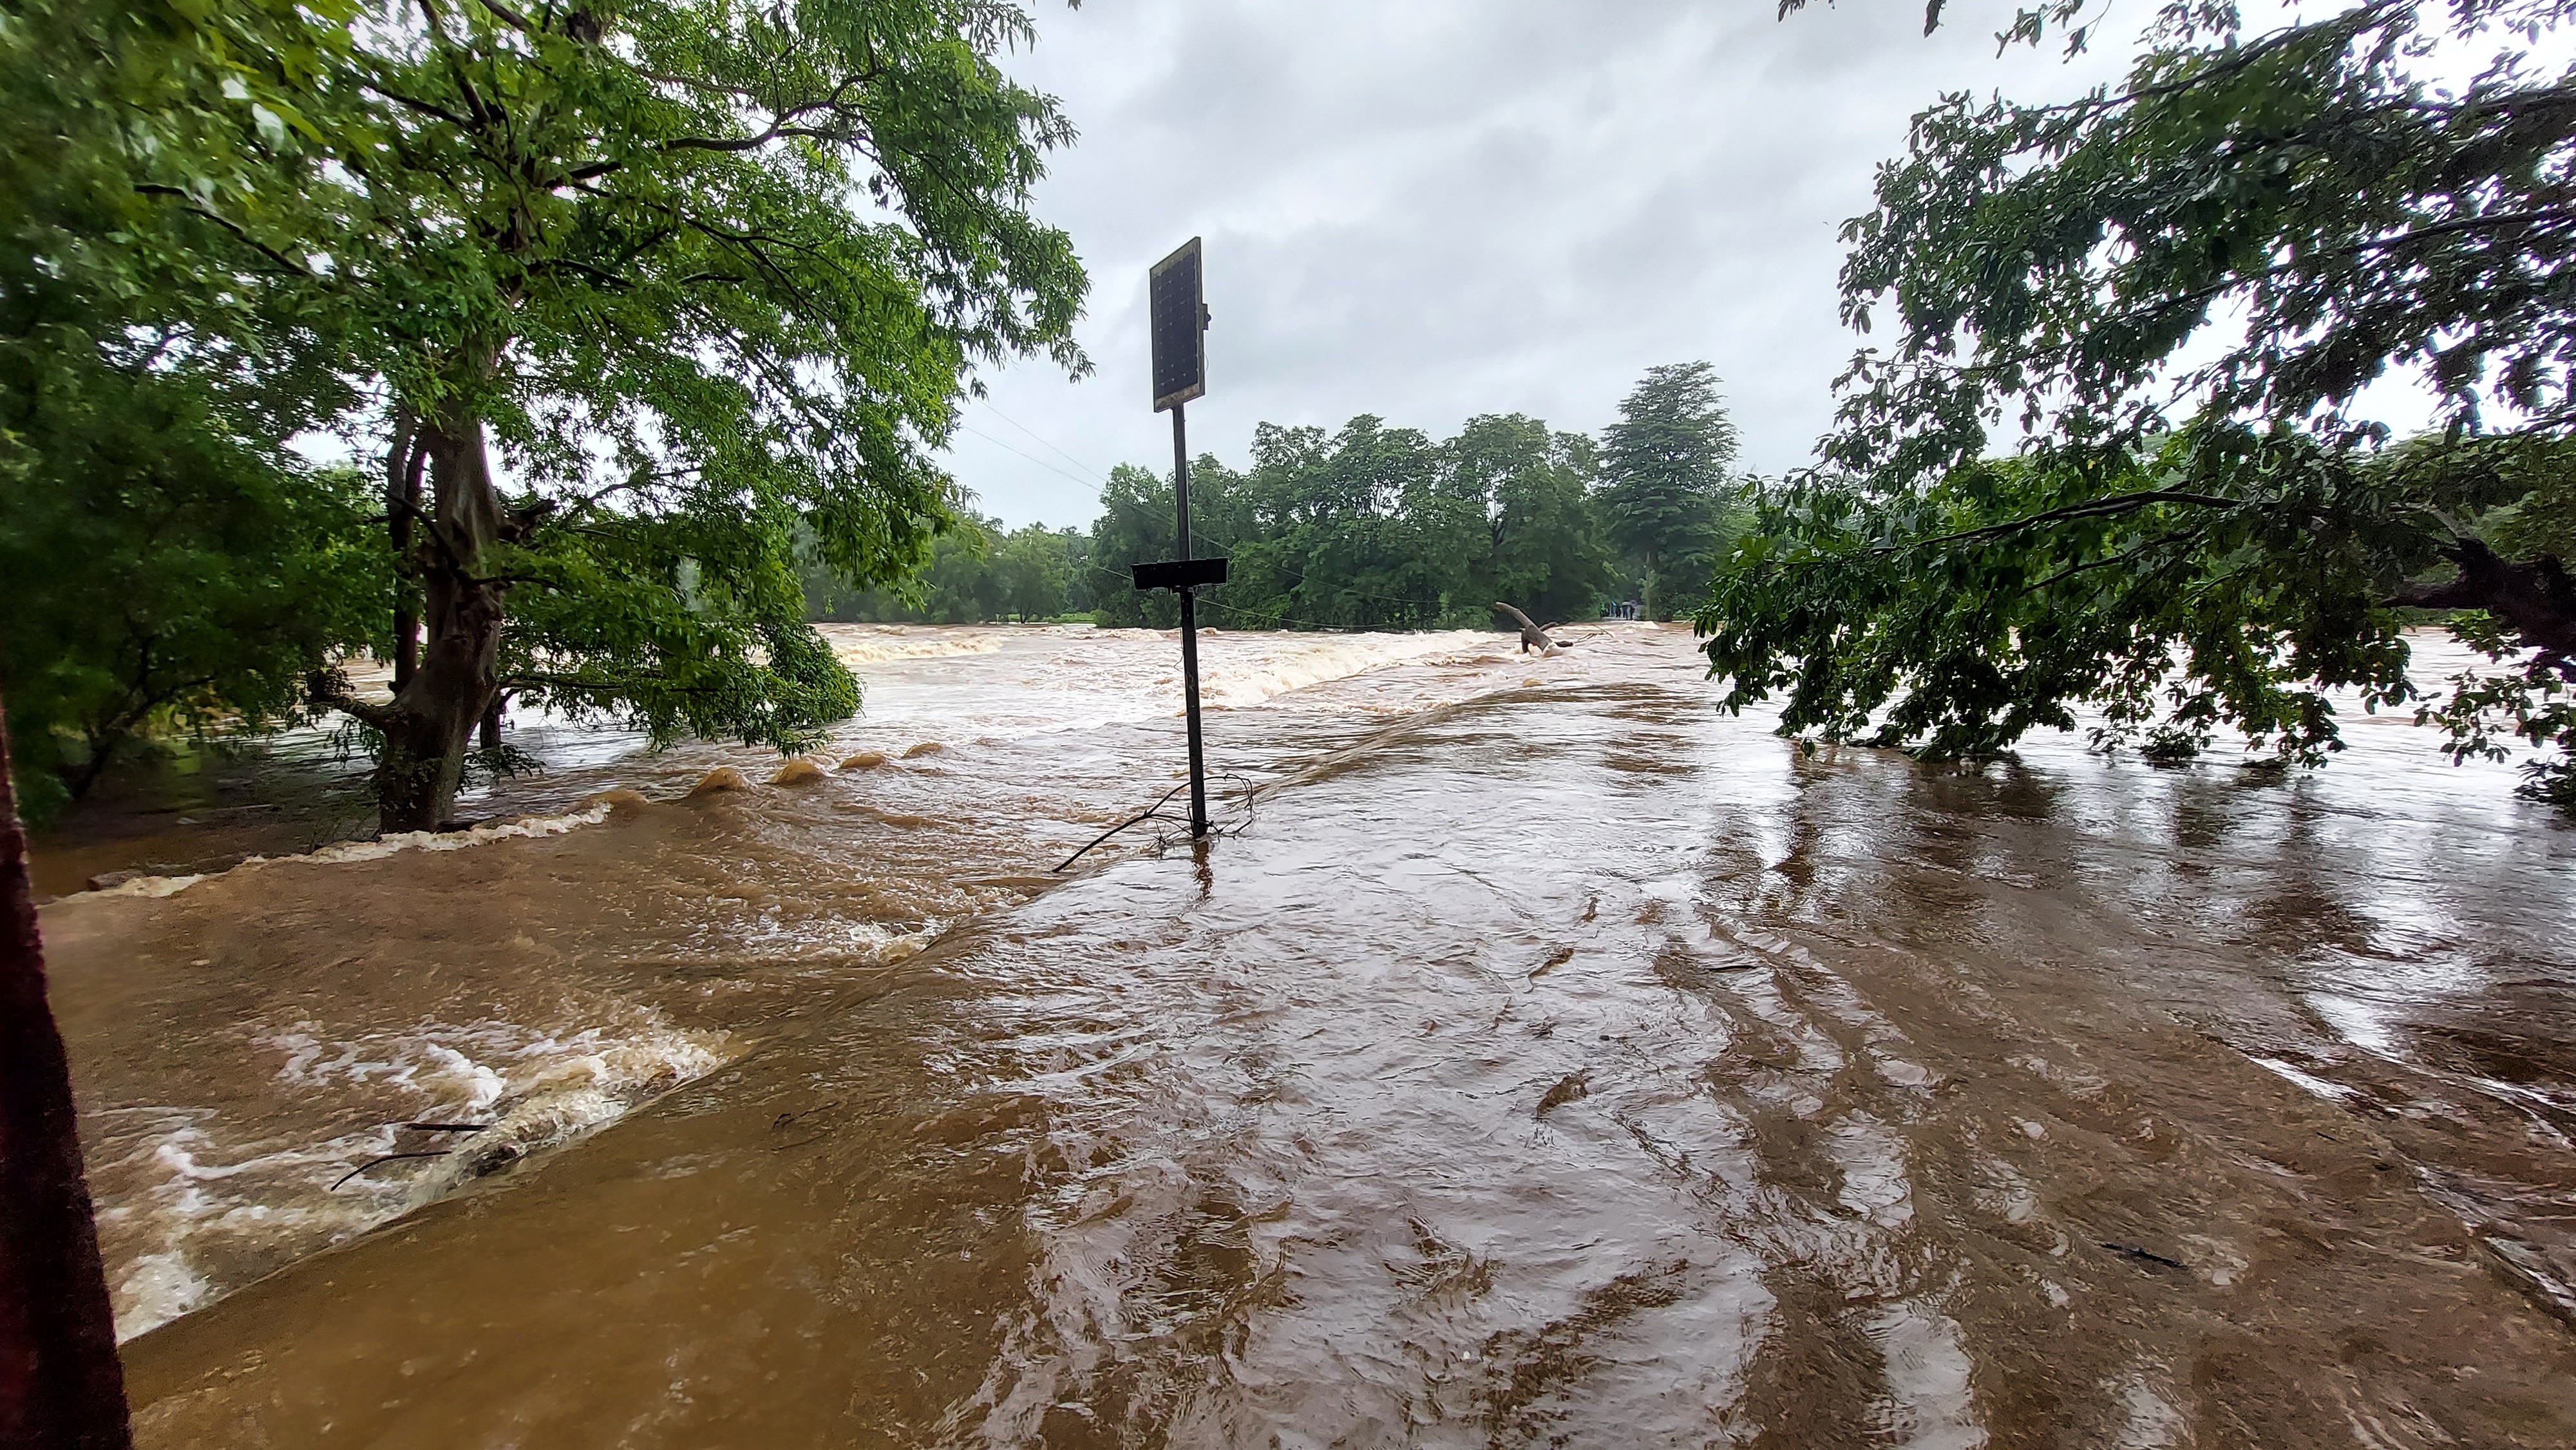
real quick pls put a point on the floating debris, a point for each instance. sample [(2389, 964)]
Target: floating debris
[(1569, 1087)]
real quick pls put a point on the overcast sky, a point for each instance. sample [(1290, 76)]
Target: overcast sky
[(1430, 209)]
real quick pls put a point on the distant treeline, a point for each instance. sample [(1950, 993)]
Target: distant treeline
[(979, 573), (1373, 527)]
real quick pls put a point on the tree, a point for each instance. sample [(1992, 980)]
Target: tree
[(65, 1386), (1546, 552), (171, 563), (1368, 527), (977, 573), (1139, 523), (164, 573), (701, 273), (1349, 530), (2179, 289), (958, 585), (1664, 483), (1031, 565)]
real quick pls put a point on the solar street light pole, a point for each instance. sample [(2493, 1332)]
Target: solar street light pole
[(1189, 623), (1179, 326)]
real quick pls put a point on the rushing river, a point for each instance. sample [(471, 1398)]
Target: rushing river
[(1548, 1058)]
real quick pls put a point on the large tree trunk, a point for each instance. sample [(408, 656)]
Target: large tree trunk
[(432, 720), (61, 1386), (443, 694), (403, 465)]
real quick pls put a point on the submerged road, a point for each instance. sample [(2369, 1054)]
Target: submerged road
[(1563, 1066)]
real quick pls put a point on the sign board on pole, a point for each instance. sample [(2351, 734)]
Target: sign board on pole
[(1179, 574), (1179, 327)]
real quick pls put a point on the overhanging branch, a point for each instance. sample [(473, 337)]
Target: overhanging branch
[(2538, 598)]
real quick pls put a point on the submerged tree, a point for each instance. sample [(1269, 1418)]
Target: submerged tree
[(2179, 289), (164, 574), (702, 274), (171, 565), (1665, 483)]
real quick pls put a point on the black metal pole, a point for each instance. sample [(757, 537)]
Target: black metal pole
[(1189, 624)]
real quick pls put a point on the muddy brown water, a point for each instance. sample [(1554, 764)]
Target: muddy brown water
[(1552, 1060)]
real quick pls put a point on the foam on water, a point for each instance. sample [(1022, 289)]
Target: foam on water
[(862, 644), (1235, 677), (1931, 1405), (214, 1200), (1047, 680), (380, 847)]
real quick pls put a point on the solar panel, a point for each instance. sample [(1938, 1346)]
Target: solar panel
[(1179, 327)]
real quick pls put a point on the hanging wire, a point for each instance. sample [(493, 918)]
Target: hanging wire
[(1044, 441), (1008, 447), (427, 1153), (1164, 841)]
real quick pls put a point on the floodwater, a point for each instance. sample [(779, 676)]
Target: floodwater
[(1546, 1059)]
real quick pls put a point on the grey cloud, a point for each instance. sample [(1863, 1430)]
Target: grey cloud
[(1448, 207)]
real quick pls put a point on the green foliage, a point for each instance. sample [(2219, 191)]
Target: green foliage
[(170, 566), (686, 623), (1355, 530), (1664, 481), (2539, 476), (1036, 568), (1369, 528), (164, 574), (742, 253), (2227, 577), (122, 121), (959, 586), (1138, 524), (1548, 551), (2179, 289), (976, 574), (708, 276), (2056, 259), (2532, 702), (755, 286)]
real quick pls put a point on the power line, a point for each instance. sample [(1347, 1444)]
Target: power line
[(1049, 443), (1031, 457)]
